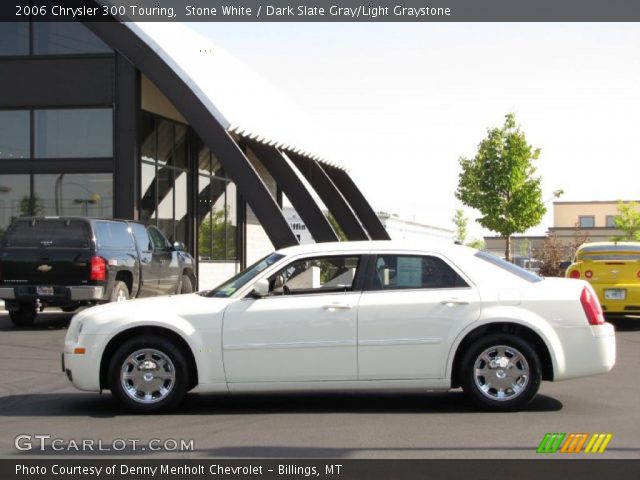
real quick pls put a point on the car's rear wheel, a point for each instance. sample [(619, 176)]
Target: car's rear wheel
[(120, 292), (148, 375), (24, 316), (501, 372), (186, 286)]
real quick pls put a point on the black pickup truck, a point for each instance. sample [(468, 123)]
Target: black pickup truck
[(68, 262)]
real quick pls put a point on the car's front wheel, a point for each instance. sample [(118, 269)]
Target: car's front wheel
[(501, 372), (148, 375)]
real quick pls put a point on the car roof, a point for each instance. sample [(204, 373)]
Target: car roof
[(428, 245)]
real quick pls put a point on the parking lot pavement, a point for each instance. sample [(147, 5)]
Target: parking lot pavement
[(36, 398)]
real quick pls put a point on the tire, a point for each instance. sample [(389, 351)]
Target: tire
[(159, 388), (24, 316), (186, 286), (120, 292), (505, 385), (69, 308)]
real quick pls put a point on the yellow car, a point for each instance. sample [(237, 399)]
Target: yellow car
[(613, 269)]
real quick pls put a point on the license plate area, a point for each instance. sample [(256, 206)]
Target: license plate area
[(44, 291), (615, 294)]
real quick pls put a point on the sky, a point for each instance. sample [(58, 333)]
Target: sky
[(399, 103)]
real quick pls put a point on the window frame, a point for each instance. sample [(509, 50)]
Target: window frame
[(370, 288), (613, 221)]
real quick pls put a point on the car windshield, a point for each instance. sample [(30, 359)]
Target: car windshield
[(239, 280), (509, 267)]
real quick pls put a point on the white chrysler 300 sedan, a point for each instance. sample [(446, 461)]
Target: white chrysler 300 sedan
[(348, 316)]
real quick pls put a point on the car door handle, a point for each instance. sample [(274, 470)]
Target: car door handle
[(454, 301), (337, 306)]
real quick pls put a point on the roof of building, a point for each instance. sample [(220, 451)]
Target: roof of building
[(242, 101)]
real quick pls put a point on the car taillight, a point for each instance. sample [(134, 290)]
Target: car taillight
[(574, 274), (637, 274), (588, 274), (98, 268), (591, 307)]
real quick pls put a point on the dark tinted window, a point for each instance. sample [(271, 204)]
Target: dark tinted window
[(509, 267), (73, 133), (14, 38), (158, 240), (65, 38), (142, 237), (113, 235), (48, 233), (393, 272), (14, 134)]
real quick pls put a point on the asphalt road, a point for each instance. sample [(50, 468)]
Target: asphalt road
[(36, 398)]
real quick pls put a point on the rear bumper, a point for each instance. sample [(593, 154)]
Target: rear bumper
[(630, 305), (587, 351), (61, 294)]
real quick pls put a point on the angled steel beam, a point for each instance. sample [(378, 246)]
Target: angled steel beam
[(358, 202), (205, 124), (286, 177), (330, 195)]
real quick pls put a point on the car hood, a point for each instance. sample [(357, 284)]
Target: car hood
[(157, 310)]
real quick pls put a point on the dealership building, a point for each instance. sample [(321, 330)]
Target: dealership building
[(153, 122)]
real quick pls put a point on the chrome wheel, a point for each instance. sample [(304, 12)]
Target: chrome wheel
[(501, 373), (147, 376), (122, 296)]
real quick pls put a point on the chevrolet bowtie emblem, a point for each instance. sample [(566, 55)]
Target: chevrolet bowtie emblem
[(44, 268)]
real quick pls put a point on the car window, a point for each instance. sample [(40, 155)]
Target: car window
[(113, 235), (393, 272), (48, 233), (509, 267), (142, 237), (158, 240), (239, 280), (316, 275)]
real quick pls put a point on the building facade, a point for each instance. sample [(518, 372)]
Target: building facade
[(127, 121)]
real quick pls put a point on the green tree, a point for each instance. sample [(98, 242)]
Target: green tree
[(460, 221), (476, 243), (336, 227), (216, 237), (628, 220), (499, 182)]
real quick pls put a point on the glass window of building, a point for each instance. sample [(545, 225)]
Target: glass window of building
[(15, 200), (14, 38), (73, 133), (65, 38), (610, 221), (164, 174), (14, 134), (217, 219), (88, 195), (587, 221)]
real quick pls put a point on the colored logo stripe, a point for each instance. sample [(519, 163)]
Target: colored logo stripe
[(551, 443), (574, 442), (598, 443)]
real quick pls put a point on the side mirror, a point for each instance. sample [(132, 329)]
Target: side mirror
[(178, 246), (261, 288)]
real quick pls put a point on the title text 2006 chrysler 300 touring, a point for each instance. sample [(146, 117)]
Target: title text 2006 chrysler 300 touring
[(347, 316)]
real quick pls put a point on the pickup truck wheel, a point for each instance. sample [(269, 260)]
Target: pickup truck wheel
[(120, 292), (148, 375), (24, 316), (186, 286), (501, 372)]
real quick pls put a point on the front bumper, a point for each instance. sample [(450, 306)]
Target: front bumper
[(83, 369), (589, 350), (61, 294)]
